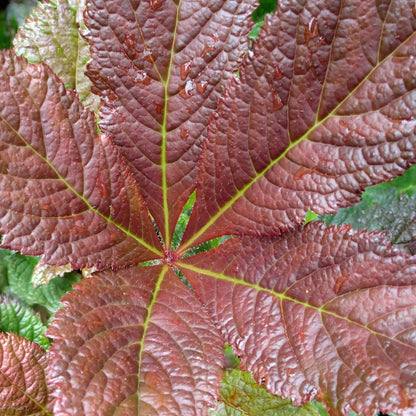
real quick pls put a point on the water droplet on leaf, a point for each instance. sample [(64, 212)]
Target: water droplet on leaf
[(158, 107), (278, 74), (201, 86), (311, 31), (187, 89), (185, 68), (277, 102), (155, 4), (184, 133), (209, 47), (142, 78), (130, 41), (148, 55), (301, 172)]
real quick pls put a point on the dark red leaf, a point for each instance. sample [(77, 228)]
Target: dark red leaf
[(160, 67), (65, 192), (134, 342), (324, 313), (324, 106), (23, 389)]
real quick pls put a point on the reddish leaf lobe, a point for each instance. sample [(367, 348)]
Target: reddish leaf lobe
[(136, 324), (23, 389), (65, 193), (181, 55), (323, 107), (318, 313)]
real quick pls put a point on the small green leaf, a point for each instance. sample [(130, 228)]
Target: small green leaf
[(241, 396), (310, 216), (231, 360), (19, 319)]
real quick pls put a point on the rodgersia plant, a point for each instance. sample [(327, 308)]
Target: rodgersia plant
[(322, 106)]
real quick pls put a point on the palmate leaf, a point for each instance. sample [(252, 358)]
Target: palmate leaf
[(134, 342), (324, 313), (23, 390), (323, 107), (65, 193), (160, 67)]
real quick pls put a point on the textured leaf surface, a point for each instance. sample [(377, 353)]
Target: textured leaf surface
[(19, 319), (19, 271), (134, 342), (65, 193), (241, 396), (324, 106), (324, 313), (52, 35), (23, 390), (160, 67)]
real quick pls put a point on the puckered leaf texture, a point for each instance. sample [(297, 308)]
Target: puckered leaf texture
[(23, 390), (134, 342), (324, 106), (160, 67), (65, 192), (324, 313)]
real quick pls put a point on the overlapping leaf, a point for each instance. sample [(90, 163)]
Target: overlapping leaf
[(241, 396), (323, 107), (19, 319), (52, 35), (23, 390), (19, 271), (134, 342), (160, 67), (393, 213), (65, 193), (324, 313)]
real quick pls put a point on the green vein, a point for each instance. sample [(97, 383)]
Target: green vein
[(80, 196), (146, 323), (186, 245), (164, 134), (284, 297)]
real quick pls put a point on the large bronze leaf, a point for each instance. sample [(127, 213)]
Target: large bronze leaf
[(160, 66), (134, 342), (324, 313), (324, 106), (65, 192)]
